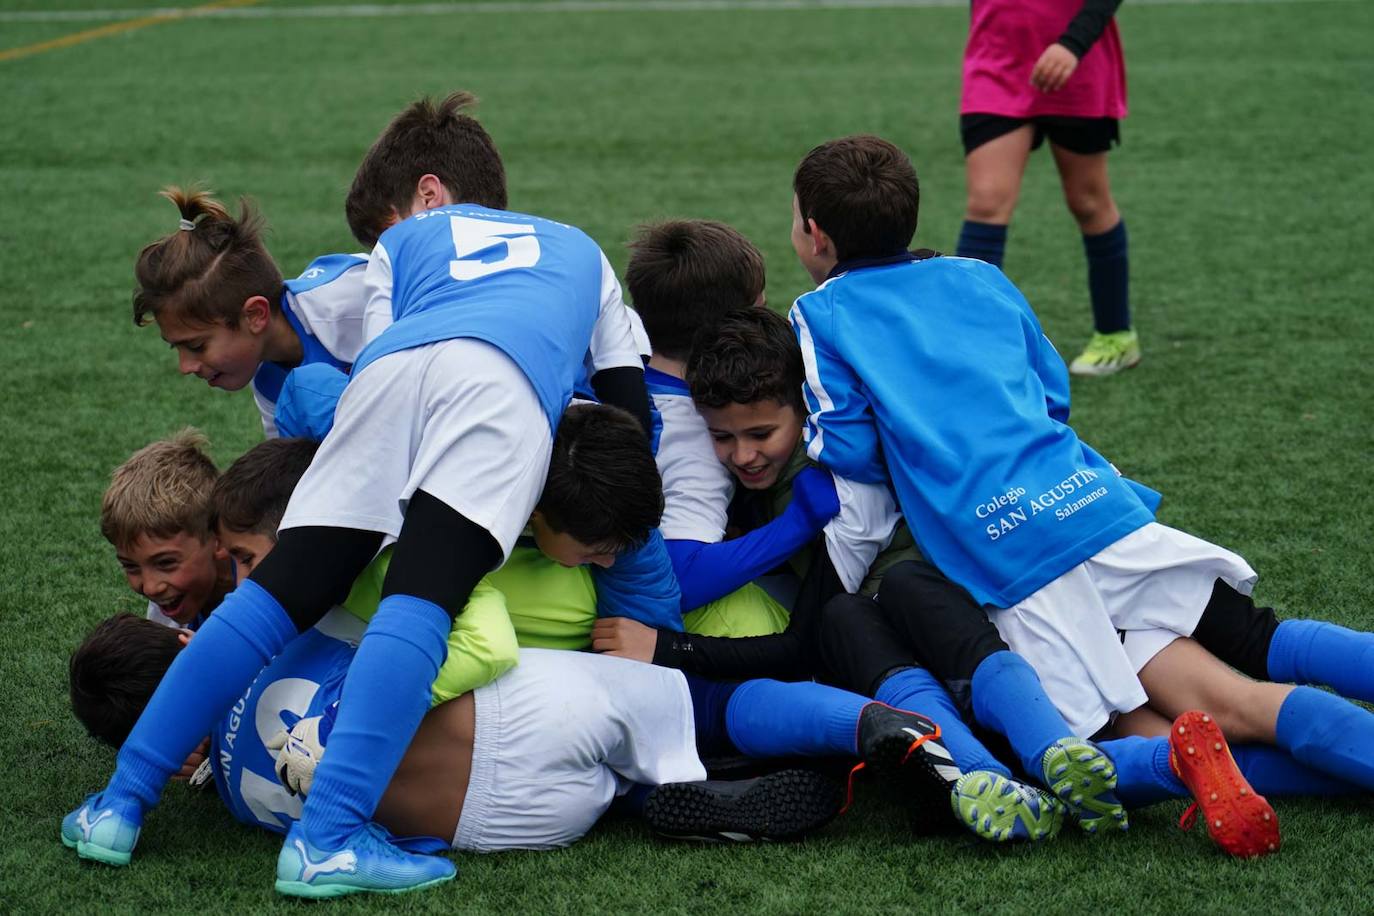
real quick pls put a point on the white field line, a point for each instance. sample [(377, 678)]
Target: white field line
[(374, 11)]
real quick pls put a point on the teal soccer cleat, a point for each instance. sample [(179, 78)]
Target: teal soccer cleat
[(103, 833), (369, 862), (1003, 810), (1084, 779)]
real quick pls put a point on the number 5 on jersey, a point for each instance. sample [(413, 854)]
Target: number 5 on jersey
[(484, 247)]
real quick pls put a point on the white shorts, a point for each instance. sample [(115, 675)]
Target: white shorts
[(457, 419), (560, 735), (1091, 630)]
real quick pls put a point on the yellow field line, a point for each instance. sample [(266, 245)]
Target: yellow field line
[(114, 28)]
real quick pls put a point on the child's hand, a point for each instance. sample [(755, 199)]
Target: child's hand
[(625, 638), (1054, 68), (193, 762), (813, 495)]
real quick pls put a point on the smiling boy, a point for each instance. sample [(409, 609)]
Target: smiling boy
[(156, 513)]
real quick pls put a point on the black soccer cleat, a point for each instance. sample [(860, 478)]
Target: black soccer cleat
[(786, 805), (905, 747)]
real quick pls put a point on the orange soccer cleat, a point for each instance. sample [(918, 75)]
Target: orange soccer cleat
[(1240, 821)]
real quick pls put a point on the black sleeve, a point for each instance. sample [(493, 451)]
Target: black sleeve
[(623, 387), (1085, 28), (788, 656)]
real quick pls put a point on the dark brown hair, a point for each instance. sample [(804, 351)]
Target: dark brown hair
[(114, 672), (603, 486), (251, 496), (425, 139), (751, 356), (203, 275), (684, 274), (863, 193)]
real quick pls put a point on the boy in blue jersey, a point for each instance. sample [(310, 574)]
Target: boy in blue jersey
[(479, 321), (932, 373), (219, 300), (156, 513), (683, 277)]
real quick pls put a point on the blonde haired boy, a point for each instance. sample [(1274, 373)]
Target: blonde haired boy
[(157, 515)]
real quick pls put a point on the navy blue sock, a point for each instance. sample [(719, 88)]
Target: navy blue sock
[(774, 719), (1316, 652), (1329, 734), (385, 695), (984, 241), (1143, 774), (1008, 698), (206, 678), (1109, 279), (710, 699), (917, 690), (1274, 772)]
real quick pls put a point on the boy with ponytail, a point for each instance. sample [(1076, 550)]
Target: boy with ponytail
[(220, 301)]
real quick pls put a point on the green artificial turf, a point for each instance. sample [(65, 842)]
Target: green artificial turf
[(1245, 181)]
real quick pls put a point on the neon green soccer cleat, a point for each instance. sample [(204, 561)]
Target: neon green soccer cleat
[(1084, 779), (1107, 354), (1002, 810)]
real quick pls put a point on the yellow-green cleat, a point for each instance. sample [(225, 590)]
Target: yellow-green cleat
[(1002, 810), (1107, 354), (1084, 779)]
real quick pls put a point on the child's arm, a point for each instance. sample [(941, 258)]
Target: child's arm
[(841, 431), (308, 398), (617, 370), (640, 585), (706, 572)]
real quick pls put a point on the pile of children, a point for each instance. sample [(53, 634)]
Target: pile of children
[(867, 532)]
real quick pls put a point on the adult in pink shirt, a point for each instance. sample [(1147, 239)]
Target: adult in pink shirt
[(1037, 69)]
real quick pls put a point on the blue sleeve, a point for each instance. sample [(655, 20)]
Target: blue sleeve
[(841, 431), (640, 585), (305, 407), (706, 572)]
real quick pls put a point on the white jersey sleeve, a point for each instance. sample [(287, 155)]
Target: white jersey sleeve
[(863, 528), (267, 408), (377, 288), (613, 343), (333, 312), (696, 486)]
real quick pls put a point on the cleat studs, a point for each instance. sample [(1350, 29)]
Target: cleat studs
[(1266, 815), (1272, 847), (1191, 751), (1217, 823), (1206, 718), (1216, 745), (1214, 796)]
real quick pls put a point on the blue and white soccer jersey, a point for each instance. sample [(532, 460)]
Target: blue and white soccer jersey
[(325, 307), (479, 323), (696, 486), (556, 738)]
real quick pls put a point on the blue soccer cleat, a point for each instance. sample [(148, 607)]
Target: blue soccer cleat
[(369, 862), (104, 833)]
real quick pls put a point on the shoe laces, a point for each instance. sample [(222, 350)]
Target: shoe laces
[(382, 842), (849, 783), (1189, 817)]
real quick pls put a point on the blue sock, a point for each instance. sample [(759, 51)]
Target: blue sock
[(1329, 734), (773, 719), (1316, 652), (710, 700), (1143, 774), (984, 241), (1109, 279), (206, 678), (917, 690), (385, 695), (1008, 698), (1274, 772)]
